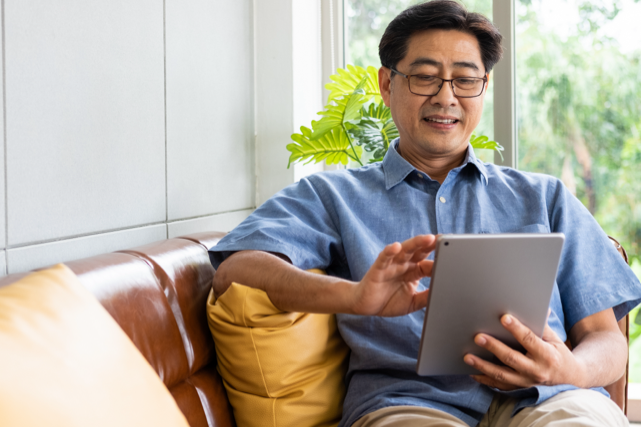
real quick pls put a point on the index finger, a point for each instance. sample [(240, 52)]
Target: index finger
[(522, 333), (421, 244)]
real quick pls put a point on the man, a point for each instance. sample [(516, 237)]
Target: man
[(436, 61)]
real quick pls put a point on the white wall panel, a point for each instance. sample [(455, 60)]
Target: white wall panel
[(288, 87), (222, 222), (37, 256), (85, 118), (274, 95), (210, 132)]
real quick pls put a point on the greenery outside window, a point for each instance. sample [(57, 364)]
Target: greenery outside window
[(578, 85)]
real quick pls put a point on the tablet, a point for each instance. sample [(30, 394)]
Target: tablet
[(477, 278)]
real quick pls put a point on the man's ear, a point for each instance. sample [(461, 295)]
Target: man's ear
[(487, 85), (385, 83)]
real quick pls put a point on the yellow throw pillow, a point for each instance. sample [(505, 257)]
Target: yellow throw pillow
[(64, 361), (280, 369)]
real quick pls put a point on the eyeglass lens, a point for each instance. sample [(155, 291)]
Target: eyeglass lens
[(430, 85)]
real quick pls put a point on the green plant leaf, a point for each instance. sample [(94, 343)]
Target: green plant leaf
[(340, 111), (378, 111), (484, 142), (335, 115), (333, 147), (346, 81), (375, 131)]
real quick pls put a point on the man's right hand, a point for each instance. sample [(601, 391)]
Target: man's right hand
[(389, 288)]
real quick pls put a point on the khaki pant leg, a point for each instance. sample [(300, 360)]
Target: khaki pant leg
[(574, 408), (409, 416)]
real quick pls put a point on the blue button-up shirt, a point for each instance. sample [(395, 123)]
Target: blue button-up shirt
[(339, 221)]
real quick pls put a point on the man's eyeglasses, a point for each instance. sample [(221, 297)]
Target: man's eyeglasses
[(462, 87)]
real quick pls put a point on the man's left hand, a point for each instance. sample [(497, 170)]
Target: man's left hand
[(548, 360)]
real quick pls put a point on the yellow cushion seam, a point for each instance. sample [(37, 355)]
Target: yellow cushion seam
[(244, 303), (274, 412), (251, 335)]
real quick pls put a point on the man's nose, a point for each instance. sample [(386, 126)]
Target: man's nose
[(445, 96)]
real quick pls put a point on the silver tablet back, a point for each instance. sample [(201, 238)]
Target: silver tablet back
[(477, 279)]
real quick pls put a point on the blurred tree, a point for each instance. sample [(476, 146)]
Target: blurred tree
[(367, 20), (579, 116)]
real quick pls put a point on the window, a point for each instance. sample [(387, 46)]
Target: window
[(578, 85)]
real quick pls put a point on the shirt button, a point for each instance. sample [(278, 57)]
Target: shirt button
[(442, 199), (419, 175)]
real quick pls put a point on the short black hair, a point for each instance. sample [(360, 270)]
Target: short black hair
[(442, 15)]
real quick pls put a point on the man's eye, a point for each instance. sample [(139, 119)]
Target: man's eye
[(467, 82), (425, 79)]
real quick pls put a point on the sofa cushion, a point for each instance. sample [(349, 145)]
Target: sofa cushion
[(66, 362), (280, 369)]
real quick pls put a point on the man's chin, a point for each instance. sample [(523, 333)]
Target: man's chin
[(443, 148)]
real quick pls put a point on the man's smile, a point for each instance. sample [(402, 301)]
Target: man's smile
[(441, 122)]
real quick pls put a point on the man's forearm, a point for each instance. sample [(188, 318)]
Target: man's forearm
[(288, 287), (603, 356), (389, 288)]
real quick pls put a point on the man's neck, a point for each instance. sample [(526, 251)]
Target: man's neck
[(435, 166)]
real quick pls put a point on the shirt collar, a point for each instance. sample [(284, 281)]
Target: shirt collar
[(471, 159), (396, 168)]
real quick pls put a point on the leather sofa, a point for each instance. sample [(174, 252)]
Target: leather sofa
[(157, 294)]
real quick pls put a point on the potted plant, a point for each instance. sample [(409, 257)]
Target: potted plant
[(355, 121)]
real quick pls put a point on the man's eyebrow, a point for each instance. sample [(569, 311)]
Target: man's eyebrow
[(424, 61), (429, 61), (465, 64)]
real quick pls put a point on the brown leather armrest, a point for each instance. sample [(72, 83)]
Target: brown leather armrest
[(619, 389)]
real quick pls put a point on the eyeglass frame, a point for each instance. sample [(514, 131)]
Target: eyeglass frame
[(451, 81)]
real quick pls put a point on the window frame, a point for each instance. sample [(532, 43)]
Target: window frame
[(505, 94)]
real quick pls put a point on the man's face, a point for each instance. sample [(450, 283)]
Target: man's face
[(439, 125)]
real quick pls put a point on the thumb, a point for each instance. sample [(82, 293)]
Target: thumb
[(419, 301), (423, 269)]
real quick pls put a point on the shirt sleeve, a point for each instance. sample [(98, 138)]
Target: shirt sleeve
[(294, 222), (592, 275)]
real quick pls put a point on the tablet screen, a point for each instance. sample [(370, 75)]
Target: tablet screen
[(477, 279)]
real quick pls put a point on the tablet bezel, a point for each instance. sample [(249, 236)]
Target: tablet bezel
[(466, 277)]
